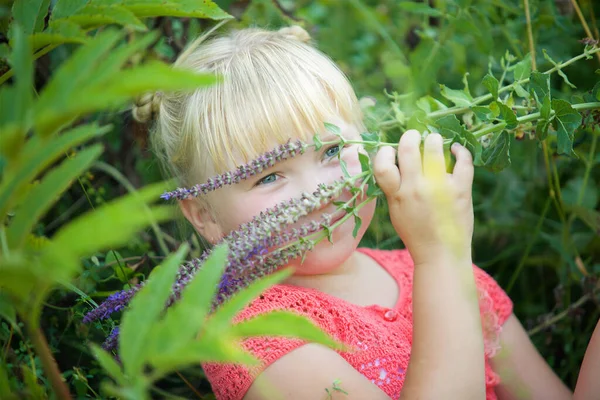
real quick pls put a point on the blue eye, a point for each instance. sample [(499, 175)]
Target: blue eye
[(267, 179), (333, 151)]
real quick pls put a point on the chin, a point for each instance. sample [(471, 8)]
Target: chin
[(326, 257)]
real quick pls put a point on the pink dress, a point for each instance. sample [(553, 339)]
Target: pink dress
[(381, 337)]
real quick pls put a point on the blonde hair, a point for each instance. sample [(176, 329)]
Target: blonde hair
[(275, 87)]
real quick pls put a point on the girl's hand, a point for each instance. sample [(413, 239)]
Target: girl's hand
[(431, 211)]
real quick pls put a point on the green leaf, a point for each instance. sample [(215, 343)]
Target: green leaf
[(418, 120), (5, 392), (492, 85), (7, 311), (16, 101), (69, 79), (483, 113), (365, 162), (507, 115), (317, 142), (56, 108), (540, 85), (332, 128), (284, 323), (572, 192), (108, 363), (541, 129), (458, 97), (210, 347), (560, 72), (451, 128), (59, 32), (344, 168), (420, 9), (357, 224), (47, 192), (189, 313), (118, 57), (225, 314), (522, 69), (588, 216), (66, 8), (93, 15), (566, 121), (144, 311), (497, 155), (520, 91), (113, 224), (36, 156), (30, 14), (175, 8)]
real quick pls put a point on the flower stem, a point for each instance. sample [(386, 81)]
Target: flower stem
[(48, 362), (530, 117)]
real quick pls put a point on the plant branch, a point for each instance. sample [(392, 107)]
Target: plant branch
[(48, 362), (551, 321), (586, 28), (530, 34)]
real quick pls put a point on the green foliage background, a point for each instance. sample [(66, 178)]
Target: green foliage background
[(537, 225)]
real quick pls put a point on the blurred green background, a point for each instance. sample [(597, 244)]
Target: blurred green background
[(537, 228)]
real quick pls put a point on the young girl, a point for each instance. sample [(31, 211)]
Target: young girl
[(410, 317)]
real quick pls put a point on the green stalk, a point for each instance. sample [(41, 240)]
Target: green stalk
[(530, 117), (42, 350)]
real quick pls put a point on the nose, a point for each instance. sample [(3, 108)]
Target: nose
[(311, 178)]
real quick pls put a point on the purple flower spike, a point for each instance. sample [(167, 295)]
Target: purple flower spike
[(112, 340), (256, 166), (115, 302)]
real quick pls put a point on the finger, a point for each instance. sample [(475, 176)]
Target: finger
[(433, 156), (385, 170), (463, 169), (409, 156)]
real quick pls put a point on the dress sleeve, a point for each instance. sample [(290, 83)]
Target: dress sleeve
[(502, 304), (232, 381), (495, 307)]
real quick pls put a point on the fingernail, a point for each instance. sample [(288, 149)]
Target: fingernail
[(455, 145)]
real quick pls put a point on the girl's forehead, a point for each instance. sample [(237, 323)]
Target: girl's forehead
[(242, 150)]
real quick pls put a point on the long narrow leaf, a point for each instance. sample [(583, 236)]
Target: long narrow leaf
[(225, 314), (37, 154), (145, 308), (112, 225), (189, 313), (16, 104), (217, 348), (96, 15), (117, 58), (30, 14), (283, 323), (59, 32), (176, 8), (109, 364), (45, 194), (121, 87), (70, 78)]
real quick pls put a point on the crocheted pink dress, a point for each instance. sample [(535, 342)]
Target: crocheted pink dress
[(381, 337)]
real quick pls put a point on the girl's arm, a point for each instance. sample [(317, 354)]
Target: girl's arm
[(524, 374), (447, 357), (588, 383)]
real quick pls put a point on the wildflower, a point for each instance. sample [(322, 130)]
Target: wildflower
[(115, 302), (112, 340), (254, 167)]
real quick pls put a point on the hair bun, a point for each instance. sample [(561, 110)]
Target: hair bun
[(146, 107), (295, 32)]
